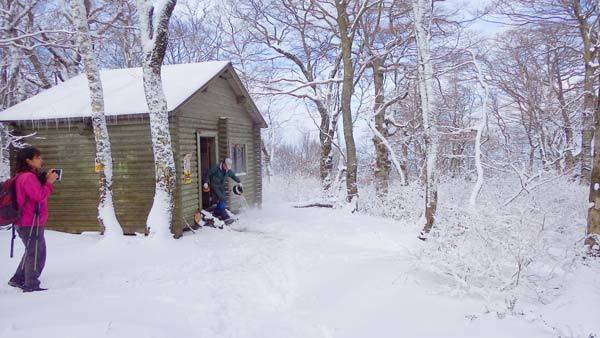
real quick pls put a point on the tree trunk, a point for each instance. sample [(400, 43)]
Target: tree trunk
[(479, 128), (267, 159), (160, 217), (346, 104), (593, 218), (589, 99), (106, 212), (422, 16), (404, 164), (587, 132), (567, 127), (382, 160), (154, 24), (4, 156), (326, 135), (39, 70), (328, 129)]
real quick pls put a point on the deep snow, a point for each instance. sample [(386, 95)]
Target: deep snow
[(286, 272)]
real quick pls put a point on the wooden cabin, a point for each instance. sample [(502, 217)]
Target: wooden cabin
[(211, 117)]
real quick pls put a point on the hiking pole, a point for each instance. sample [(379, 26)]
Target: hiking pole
[(12, 241)]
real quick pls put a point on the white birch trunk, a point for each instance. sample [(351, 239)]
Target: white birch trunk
[(422, 11), (154, 23), (479, 128), (4, 158), (271, 149), (103, 163), (267, 161)]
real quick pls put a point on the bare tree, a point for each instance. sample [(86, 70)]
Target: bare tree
[(536, 90), (310, 63), (15, 17), (38, 47), (479, 129), (571, 18), (385, 37), (196, 34)]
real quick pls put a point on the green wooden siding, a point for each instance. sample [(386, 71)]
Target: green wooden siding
[(133, 163), (73, 204), (215, 109)]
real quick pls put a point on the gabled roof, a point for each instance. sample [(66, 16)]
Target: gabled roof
[(123, 93)]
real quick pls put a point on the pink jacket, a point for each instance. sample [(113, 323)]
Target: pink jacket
[(30, 193)]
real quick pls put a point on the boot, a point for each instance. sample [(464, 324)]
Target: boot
[(15, 284), (33, 289)]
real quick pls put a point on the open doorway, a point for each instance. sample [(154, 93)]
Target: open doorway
[(207, 157)]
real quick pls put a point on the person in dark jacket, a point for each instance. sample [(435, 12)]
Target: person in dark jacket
[(215, 179), (33, 187)]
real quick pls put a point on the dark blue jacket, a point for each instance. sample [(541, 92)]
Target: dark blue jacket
[(215, 177)]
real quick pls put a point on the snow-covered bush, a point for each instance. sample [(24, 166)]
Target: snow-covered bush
[(402, 203), (526, 247)]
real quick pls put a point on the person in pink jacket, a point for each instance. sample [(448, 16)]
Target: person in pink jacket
[(32, 189)]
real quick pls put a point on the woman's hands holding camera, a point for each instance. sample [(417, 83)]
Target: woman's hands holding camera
[(51, 176)]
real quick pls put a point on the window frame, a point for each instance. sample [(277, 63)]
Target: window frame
[(244, 147)]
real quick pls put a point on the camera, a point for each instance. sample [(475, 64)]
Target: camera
[(59, 172)]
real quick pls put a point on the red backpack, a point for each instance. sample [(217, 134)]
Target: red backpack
[(9, 210)]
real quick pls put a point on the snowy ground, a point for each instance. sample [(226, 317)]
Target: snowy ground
[(286, 273)]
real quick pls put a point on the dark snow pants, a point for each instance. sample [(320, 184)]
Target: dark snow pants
[(34, 257)]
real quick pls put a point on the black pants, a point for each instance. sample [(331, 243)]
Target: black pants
[(33, 260)]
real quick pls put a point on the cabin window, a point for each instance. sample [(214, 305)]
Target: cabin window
[(238, 156)]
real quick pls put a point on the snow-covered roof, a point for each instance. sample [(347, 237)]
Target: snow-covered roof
[(123, 92)]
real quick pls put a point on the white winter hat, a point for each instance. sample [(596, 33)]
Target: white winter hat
[(229, 162)]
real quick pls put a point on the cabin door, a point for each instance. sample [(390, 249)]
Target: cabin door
[(207, 157)]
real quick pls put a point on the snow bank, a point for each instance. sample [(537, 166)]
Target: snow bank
[(313, 272), (290, 273), (527, 253)]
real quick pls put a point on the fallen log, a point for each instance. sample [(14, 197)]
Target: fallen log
[(315, 205)]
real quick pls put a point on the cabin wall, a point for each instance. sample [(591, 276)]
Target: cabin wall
[(216, 109), (73, 205)]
